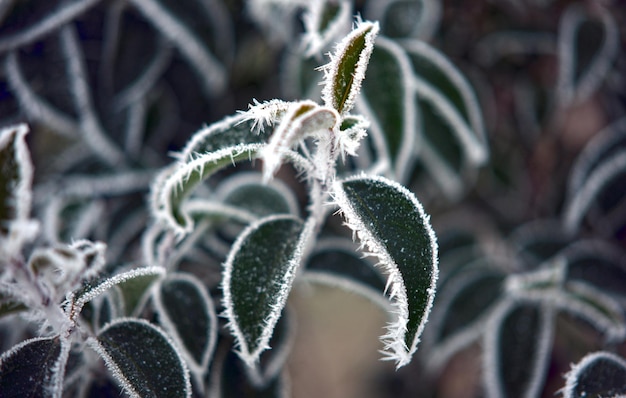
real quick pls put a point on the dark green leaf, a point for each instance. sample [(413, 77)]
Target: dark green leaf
[(142, 359), (597, 375), (345, 72), (30, 369), (390, 221), (258, 275)]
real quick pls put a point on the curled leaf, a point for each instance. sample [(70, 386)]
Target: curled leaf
[(392, 225), (142, 359)]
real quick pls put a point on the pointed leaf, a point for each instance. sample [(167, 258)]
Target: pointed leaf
[(346, 70), (187, 313), (16, 173), (133, 283), (406, 18), (391, 223), (598, 375), (258, 275), (31, 369), (209, 151), (517, 349), (142, 359)]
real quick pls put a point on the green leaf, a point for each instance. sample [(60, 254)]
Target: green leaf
[(258, 275), (597, 375), (142, 359), (517, 349), (346, 70), (32, 369), (133, 285), (391, 223), (16, 173), (209, 151), (187, 313)]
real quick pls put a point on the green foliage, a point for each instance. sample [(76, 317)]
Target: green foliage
[(123, 235)]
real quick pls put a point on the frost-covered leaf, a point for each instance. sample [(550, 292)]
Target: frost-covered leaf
[(598, 375), (248, 192), (392, 225), (66, 267), (224, 143), (301, 120), (142, 359), (33, 368), (187, 313), (325, 22), (133, 284), (346, 70), (258, 275), (231, 379), (588, 45), (517, 349), (16, 174)]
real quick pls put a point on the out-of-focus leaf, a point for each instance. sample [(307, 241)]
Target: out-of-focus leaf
[(517, 349), (32, 369), (391, 223), (336, 262), (346, 70), (597, 263), (405, 18), (597, 375), (16, 173), (595, 187), (142, 359), (325, 22), (588, 45), (537, 241), (389, 104), (187, 312), (596, 307), (258, 275), (600, 198)]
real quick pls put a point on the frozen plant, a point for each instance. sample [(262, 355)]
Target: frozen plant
[(85, 312)]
